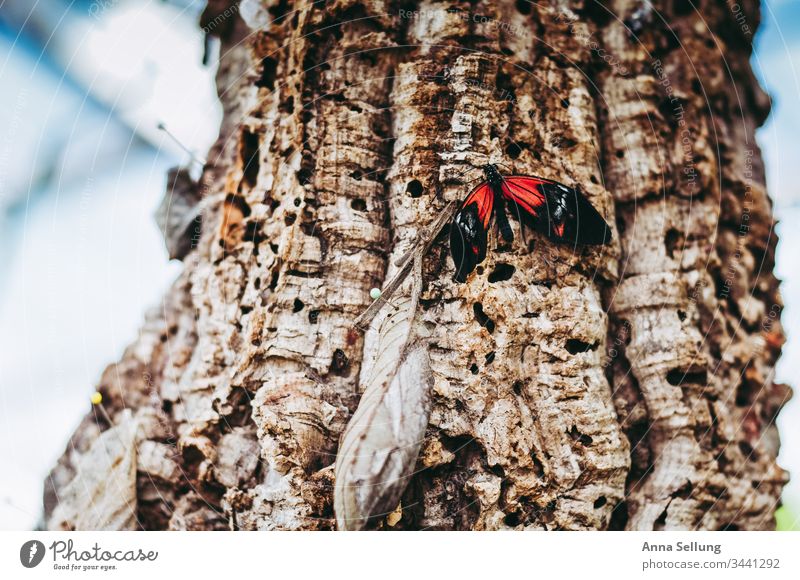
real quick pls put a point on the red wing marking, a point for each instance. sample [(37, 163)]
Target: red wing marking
[(523, 190), (484, 198)]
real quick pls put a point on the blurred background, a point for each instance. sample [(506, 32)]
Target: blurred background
[(85, 85)]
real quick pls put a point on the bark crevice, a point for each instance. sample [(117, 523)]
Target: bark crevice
[(623, 386)]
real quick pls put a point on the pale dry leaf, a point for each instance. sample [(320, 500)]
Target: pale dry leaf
[(381, 444)]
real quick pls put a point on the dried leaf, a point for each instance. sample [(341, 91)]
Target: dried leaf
[(178, 216), (381, 444)]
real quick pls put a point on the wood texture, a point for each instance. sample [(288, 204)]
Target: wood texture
[(628, 386)]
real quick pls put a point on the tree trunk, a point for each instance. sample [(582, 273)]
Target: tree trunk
[(626, 386)]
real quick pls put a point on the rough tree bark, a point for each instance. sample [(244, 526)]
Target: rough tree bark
[(623, 387)]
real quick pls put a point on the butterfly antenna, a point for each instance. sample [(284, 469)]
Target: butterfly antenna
[(199, 160), (467, 170)]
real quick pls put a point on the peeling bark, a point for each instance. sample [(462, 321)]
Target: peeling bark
[(628, 386)]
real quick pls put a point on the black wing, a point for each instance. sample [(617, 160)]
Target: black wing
[(468, 232), (562, 213)]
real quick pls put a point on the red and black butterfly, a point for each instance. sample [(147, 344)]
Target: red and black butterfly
[(562, 213)]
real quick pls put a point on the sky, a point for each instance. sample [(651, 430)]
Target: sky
[(83, 167), (82, 170), (776, 62)]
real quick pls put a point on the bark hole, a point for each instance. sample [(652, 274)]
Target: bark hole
[(269, 68), (538, 467), (659, 523), (239, 401), (482, 318), (238, 202), (581, 438), (745, 393), (673, 240), (748, 451), (574, 346), (501, 273), (234, 212), (597, 13), (192, 458), (280, 9), (684, 491), (514, 149), (523, 6), (619, 517), (340, 365), (273, 283), (253, 233), (414, 188), (304, 176), (250, 161), (678, 377), (684, 7), (729, 527), (505, 87)]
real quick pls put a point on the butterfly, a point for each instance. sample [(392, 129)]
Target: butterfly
[(560, 212)]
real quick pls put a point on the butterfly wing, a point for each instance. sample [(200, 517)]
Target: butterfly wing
[(524, 197), (468, 231), (562, 213)]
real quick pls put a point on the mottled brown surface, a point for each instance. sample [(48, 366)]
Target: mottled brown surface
[(624, 386)]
